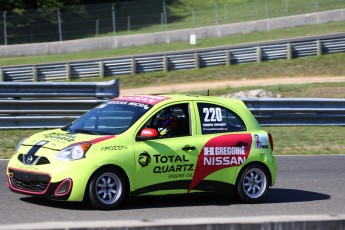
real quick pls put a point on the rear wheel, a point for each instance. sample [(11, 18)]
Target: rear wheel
[(252, 184), (107, 189)]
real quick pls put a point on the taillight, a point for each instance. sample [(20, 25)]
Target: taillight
[(271, 140)]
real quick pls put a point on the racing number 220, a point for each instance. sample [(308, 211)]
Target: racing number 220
[(212, 114)]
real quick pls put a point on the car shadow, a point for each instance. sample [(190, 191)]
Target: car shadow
[(276, 195), (279, 195)]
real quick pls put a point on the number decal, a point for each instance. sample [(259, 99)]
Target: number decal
[(206, 111), (212, 114), (219, 114)]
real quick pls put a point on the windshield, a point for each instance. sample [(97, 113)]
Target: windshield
[(112, 117)]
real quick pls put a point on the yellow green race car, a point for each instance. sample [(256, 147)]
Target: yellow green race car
[(148, 145)]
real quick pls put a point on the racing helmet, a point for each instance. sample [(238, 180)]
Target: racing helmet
[(167, 121)]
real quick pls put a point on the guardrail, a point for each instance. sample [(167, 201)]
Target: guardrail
[(169, 61), (297, 111), (32, 114), (18, 90)]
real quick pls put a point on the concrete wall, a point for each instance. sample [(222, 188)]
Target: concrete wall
[(170, 36)]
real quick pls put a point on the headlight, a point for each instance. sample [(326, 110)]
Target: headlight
[(19, 144), (73, 152)]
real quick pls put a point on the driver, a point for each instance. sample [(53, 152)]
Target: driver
[(166, 122)]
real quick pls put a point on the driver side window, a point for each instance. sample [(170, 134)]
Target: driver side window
[(171, 121)]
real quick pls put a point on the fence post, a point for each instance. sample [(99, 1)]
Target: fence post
[(129, 23), (288, 51), (316, 5), (165, 63), (2, 77), (34, 73), (319, 47), (165, 17), (286, 7), (259, 54), (113, 17), (228, 57), (193, 16), (225, 12), (134, 66), (68, 72), (197, 61), (101, 69), (5, 27), (59, 25), (216, 12), (266, 9), (97, 27)]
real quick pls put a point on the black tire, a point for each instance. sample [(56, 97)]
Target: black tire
[(107, 189), (253, 184)]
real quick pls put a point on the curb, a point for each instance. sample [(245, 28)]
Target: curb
[(314, 222)]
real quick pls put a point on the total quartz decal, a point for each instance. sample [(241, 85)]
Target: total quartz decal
[(219, 153)]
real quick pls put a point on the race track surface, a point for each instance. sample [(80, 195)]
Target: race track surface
[(306, 185)]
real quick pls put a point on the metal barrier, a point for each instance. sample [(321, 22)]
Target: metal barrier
[(17, 90), (32, 114), (199, 58), (297, 111), (35, 114)]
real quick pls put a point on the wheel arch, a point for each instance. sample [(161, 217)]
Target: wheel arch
[(255, 163), (113, 167)]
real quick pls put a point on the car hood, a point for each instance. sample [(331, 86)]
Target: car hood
[(58, 139)]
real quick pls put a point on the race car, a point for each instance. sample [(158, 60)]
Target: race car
[(148, 145)]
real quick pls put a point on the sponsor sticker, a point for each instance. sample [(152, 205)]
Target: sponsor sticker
[(260, 141), (212, 120), (147, 99), (219, 153)]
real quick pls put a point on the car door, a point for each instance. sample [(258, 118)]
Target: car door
[(224, 144), (166, 164)]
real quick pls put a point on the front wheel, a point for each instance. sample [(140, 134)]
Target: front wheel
[(107, 189), (252, 185)]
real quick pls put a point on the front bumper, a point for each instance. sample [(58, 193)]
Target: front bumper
[(38, 184), (54, 180)]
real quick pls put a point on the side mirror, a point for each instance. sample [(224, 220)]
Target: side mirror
[(148, 134)]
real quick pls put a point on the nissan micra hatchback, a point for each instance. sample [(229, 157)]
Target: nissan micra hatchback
[(148, 145)]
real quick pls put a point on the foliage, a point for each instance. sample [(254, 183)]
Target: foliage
[(18, 6)]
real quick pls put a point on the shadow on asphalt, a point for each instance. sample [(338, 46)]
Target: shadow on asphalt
[(279, 195), (276, 195)]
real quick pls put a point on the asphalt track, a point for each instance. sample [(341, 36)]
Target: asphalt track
[(306, 185)]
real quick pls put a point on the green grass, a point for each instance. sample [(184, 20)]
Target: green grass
[(308, 140), (206, 13), (326, 28), (312, 90), (9, 140), (242, 10), (326, 65)]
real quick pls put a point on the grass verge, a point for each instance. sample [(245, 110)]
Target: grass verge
[(332, 27), (312, 90), (308, 140), (326, 65)]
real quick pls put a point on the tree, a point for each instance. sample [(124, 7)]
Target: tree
[(17, 6)]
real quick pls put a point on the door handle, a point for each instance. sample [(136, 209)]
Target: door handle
[(188, 147)]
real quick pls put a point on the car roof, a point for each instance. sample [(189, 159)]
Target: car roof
[(168, 98), (180, 97)]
